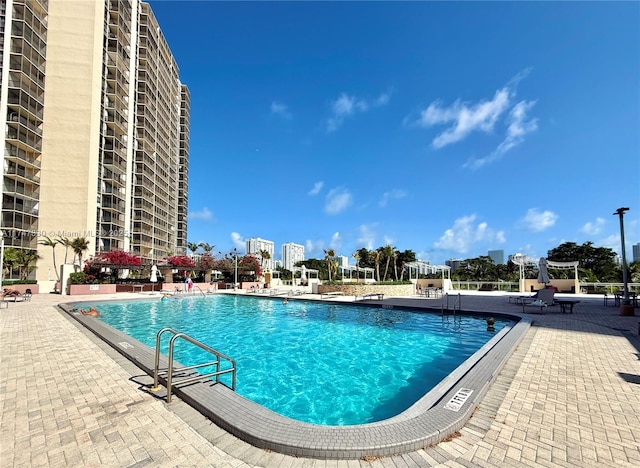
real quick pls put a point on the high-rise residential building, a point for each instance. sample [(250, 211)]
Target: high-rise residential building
[(291, 254), (497, 256), (343, 261), (453, 263), (256, 246), (636, 252), (100, 148)]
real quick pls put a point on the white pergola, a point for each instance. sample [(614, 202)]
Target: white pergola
[(352, 268), (524, 260), (420, 267)]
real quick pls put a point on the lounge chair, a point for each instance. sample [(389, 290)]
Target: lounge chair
[(379, 296), (542, 299), (11, 295)]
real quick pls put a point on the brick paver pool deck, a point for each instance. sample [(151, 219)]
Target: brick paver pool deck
[(568, 396)]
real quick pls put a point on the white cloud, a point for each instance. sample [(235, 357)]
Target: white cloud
[(392, 195), (367, 236), (537, 221), (338, 200), (517, 129), (204, 214), (346, 106), (312, 247), (593, 228), (612, 242), (238, 241), (466, 119), (316, 188), (336, 241), (277, 108), (465, 233)]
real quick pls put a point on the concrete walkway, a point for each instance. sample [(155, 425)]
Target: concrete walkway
[(568, 396)]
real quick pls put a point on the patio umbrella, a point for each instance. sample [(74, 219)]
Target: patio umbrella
[(303, 274), (154, 276), (543, 274)]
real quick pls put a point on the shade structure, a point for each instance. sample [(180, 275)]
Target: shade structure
[(543, 274)]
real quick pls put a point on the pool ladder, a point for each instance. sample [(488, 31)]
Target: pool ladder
[(170, 371), (456, 304)]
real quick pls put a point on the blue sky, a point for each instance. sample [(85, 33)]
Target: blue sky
[(447, 128)]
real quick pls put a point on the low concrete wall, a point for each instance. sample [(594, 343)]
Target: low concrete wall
[(389, 290), (563, 285), (22, 288), (75, 289)]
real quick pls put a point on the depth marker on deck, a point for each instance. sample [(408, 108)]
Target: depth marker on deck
[(458, 399)]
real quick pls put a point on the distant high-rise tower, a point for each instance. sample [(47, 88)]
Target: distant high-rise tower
[(636, 252), (291, 254), (453, 263), (100, 148), (255, 246), (497, 256)]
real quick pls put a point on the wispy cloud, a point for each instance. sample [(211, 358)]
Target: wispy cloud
[(395, 194), (278, 108), (518, 127), (465, 233), (336, 241), (593, 228), (238, 241), (316, 188), (463, 119), (346, 106), (313, 247), (537, 221), (367, 236), (204, 214), (338, 200)]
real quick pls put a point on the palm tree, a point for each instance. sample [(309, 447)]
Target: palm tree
[(328, 256), (79, 245), (10, 260), (377, 257), (387, 252), (66, 242), (206, 247), (356, 255), (25, 258), (47, 241), (395, 264), (264, 255), (193, 247)]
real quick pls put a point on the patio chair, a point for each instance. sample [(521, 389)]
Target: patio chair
[(27, 295), (542, 299)]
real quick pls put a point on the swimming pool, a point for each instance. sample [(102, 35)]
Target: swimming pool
[(315, 362)]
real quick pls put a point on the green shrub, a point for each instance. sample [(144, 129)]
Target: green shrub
[(79, 277)]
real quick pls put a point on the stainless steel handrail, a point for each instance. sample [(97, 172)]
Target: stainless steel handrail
[(170, 365)]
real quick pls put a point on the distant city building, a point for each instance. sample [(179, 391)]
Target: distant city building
[(343, 261), (255, 246), (453, 263), (497, 256), (291, 254), (636, 252)]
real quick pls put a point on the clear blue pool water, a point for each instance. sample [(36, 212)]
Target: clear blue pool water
[(320, 363)]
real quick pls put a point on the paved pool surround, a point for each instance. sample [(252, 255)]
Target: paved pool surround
[(425, 423)]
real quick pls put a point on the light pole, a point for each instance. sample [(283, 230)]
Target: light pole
[(626, 303)]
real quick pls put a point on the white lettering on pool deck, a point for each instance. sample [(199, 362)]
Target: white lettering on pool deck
[(125, 345), (458, 399)]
